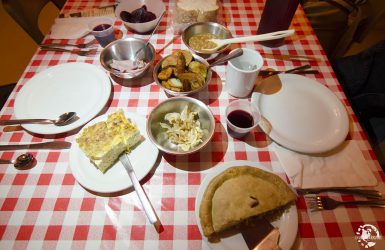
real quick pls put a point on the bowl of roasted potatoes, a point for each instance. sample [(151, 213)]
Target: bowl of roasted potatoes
[(182, 73)]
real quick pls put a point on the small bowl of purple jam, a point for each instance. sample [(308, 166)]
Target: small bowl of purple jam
[(138, 15)]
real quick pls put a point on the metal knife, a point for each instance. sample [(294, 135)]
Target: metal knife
[(148, 209), (368, 193), (42, 145)]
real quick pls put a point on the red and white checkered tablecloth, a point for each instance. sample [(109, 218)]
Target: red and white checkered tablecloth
[(45, 207)]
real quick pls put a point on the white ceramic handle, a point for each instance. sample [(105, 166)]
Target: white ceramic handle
[(263, 37)]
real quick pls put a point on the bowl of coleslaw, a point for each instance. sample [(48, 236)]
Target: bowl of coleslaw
[(181, 125)]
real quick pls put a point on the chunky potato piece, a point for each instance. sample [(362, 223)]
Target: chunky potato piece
[(198, 67), (173, 84), (165, 74), (169, 61), (187, 55), (180, 64), (194, 80)]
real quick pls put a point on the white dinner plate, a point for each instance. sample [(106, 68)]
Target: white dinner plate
[(142, 158), (287, 224), (304, 115), (79, 87)]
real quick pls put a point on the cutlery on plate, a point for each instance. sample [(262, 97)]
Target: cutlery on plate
[(78, 52), (263, 37), (42, 145), (62, 120), (368, 193), (23, 161), (325, 203), (148, 209), (80, 45)]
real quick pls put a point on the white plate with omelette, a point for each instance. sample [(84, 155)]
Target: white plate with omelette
[(287, 224), (142, 157)]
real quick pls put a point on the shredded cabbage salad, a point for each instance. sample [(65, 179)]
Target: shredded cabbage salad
[(183, 129)]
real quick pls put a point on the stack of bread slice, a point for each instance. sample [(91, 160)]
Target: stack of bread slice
[(191, 11)]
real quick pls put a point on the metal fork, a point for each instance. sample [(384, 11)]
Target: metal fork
[(80, 46), (78, 52), (368, 193), (326, 203)]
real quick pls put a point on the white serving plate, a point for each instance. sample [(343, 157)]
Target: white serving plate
[(79, 87), (142, 158), (303, 115)]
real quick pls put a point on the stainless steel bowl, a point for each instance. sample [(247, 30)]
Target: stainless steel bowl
[(176, 104), (125, 49), (157, 69), (206, 27)]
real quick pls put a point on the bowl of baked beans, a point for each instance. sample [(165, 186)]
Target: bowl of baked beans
[(196, 37)]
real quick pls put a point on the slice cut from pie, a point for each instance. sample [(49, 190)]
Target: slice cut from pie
[(239, 194)]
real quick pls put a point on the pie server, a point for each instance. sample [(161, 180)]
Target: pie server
[(254, 235)]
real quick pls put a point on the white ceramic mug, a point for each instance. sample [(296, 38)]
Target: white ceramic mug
[(242, 72)]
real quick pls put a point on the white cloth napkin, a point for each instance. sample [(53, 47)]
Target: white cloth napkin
[(71, 28), (344, 167)]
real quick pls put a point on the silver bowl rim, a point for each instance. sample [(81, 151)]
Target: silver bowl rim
[(185, 93), (188, 99), (126, 75), (210, 24)]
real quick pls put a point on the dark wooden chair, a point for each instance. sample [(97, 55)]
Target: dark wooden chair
[(5, 91), (26, 14)]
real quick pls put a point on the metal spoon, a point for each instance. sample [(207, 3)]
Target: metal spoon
[(264, 37), (136, 58), (62, 120), (23, 161)]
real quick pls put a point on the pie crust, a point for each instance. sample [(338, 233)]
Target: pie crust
[(239, 194)]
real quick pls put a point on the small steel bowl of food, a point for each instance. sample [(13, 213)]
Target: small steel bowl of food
[(181, 125), (118, 58), (196, 37), (182, 73)]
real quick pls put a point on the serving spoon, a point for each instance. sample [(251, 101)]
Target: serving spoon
[(136, 57), (264, 37), (234, 54), (62, 120), (23, 161)]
